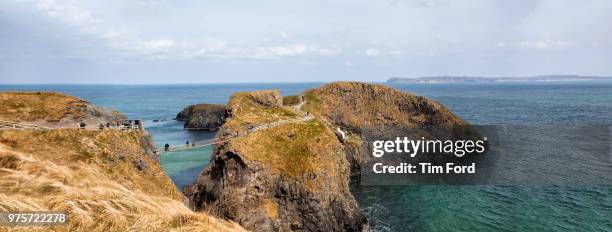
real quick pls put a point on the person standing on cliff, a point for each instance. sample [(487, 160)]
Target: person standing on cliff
[(167, 147)]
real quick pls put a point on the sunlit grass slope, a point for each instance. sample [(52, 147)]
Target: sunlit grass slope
[(103, 179)]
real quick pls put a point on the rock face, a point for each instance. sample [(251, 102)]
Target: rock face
[(358, 107), (290, 177), (203, 116)]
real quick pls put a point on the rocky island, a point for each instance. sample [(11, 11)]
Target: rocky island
[(203, 116), (288, 167)]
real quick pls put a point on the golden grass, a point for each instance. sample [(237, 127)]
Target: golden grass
[(92, 176), (246, 109), (357, 105), (32, 106), (298, 150), (271, 209)]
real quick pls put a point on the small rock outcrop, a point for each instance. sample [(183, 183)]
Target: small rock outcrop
[(203, 116)]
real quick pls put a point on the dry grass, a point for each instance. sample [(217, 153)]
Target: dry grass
[(32, 106), (256, 108), (355, 105), (292, 100), (53, 110), (299, 150), (92, 175)]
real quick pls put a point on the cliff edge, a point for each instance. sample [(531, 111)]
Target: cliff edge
[(54, 110), (103, 179)]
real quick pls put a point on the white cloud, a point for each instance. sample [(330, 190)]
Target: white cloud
[(545, 44), (372, 52), (283, 35), (130, 44), (159, 44), (435, 36)]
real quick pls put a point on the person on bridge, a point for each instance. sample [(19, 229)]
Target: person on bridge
[(167, 147)]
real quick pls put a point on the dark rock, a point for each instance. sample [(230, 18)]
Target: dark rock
[(148, 145), (140, 164), (203, 116)]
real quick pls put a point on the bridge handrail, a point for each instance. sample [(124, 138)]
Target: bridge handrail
[(20, 124)]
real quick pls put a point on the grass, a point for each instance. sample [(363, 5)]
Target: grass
[(91, 175), (299, 150), (353, 106), (292, 100), (32, 106), (49, 107), (247, 109)]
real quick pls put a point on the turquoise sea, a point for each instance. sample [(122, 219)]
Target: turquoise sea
[(408, 208)]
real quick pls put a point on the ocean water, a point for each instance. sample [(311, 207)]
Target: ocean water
[(408, 208)]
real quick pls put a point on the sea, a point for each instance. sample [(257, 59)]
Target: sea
[(406, 208)]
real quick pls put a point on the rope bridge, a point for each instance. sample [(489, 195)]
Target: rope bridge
[(196, 144)]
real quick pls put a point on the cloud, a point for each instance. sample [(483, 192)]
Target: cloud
[(372, 52), (131, 45), (545, 44), (404, 37), (283, 35)]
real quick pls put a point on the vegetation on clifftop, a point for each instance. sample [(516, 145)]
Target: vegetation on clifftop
[(255, 108), (102, 179), (354, 106), (47, 106), (294, 149), (291, 100)]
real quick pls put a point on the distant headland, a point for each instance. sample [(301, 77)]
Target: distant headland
[(473, 79)]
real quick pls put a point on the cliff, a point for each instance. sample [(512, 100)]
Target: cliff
[(367, 112), (203, 116), (54, 110), (285, 171), (104, 179)]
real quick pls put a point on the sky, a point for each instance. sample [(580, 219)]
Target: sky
[(230, 41)]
